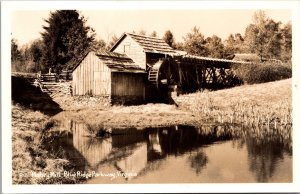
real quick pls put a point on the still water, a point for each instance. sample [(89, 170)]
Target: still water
[(178, 154)]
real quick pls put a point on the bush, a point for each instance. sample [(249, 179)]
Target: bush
[(262, 72)]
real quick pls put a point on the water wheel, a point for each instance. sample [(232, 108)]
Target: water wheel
[(156, 76)]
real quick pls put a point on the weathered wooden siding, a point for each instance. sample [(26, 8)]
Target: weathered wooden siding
[(132, 50), (128, 86), (91, 77)]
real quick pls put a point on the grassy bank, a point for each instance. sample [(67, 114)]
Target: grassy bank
[(265, 108), (269, 100), (30, 159)]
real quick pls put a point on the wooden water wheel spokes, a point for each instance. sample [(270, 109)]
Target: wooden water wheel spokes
[(153, 76)]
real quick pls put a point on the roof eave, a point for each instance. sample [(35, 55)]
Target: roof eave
[(118, 42), (81, 61), (127, 71)]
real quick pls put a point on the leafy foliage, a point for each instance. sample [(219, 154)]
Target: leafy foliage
[(153, 34), (169, 38), (233, 44), (99, 44), (142, 32), (195, 43), (264, 37), (15, 52), (215, 47), (287, 42), (264, 72), (112, 42)]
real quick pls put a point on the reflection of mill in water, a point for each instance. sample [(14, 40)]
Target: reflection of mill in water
[(122, 151), (134, 149), (91, 149), (141, 151)]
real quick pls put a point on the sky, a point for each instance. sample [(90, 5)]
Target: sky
[(27, 25)]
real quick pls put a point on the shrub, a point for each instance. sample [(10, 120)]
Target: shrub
[(262, 72)]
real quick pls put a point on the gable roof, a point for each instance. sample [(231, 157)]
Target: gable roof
[(117, 62), (148, 44)]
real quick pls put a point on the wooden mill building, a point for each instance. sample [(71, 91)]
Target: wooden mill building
[(142, 68), (143, 50), (109, 74)]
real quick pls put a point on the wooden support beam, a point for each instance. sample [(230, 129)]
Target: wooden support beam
[(197, 76), (180, 73)]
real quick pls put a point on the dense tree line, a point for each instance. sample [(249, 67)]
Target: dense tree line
[(265, 37), (66, 39)]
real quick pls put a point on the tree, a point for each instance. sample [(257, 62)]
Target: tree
[(233, 44), (274, 36), (215, 47), (98, 45), (142, 32), (239, 43), (264, 36), (16, 57), (66, 37), (153, 34), (179, 46), (15, 52), (195, 43), (256, 34), (229, 47), (112, 42), (36, 54), (169, 38), (287, 42)]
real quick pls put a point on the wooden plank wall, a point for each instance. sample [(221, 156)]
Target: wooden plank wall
[(133, 50), (128, 84), (91, 77)]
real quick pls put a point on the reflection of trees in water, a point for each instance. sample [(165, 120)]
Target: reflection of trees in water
[(263, 157), (198, 161)]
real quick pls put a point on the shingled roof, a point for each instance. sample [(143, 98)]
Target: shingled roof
[(149, 44), (117, 62), (199, 59)]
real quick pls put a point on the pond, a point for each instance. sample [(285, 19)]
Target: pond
[(174, 154)]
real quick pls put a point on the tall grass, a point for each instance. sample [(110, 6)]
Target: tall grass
[(264, 109)]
